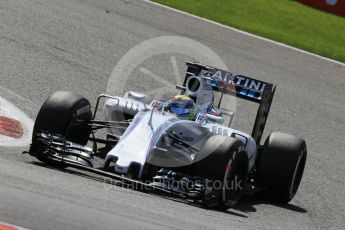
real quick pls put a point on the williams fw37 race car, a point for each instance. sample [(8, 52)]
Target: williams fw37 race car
[(183, 146)]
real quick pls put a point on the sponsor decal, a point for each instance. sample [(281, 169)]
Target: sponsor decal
[(227, 83), (331, 2), (231, 88), (333, 6), (201, 119), (250, 83), (224, 80), (218, 75)]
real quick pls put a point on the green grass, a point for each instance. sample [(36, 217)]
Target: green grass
[(285, 21)]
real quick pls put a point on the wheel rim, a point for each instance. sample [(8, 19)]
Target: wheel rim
[(298, 172), (233, 182)]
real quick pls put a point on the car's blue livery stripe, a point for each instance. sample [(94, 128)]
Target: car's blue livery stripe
[(158, 132)]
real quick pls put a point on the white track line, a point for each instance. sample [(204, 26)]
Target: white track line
[(246, 33)]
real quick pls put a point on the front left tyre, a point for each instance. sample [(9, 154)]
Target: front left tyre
[(60, 115)]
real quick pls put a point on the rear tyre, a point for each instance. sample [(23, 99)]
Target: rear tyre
[(281, 165), (224, 160), (59, 115)]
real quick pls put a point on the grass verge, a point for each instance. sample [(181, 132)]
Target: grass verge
[(285, 21)]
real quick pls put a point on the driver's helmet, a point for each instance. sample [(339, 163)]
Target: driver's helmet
[(182, 106)]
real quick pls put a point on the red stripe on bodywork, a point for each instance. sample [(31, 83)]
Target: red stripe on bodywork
[(229, 167)]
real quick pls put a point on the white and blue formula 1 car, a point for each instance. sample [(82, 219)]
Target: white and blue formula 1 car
[(179, 146)]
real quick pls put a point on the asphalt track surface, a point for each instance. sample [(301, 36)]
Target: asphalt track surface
[(49, 45)]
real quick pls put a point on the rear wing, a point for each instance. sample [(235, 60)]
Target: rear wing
[(241, 86)]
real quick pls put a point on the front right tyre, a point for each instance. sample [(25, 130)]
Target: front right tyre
[(224, 160)]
